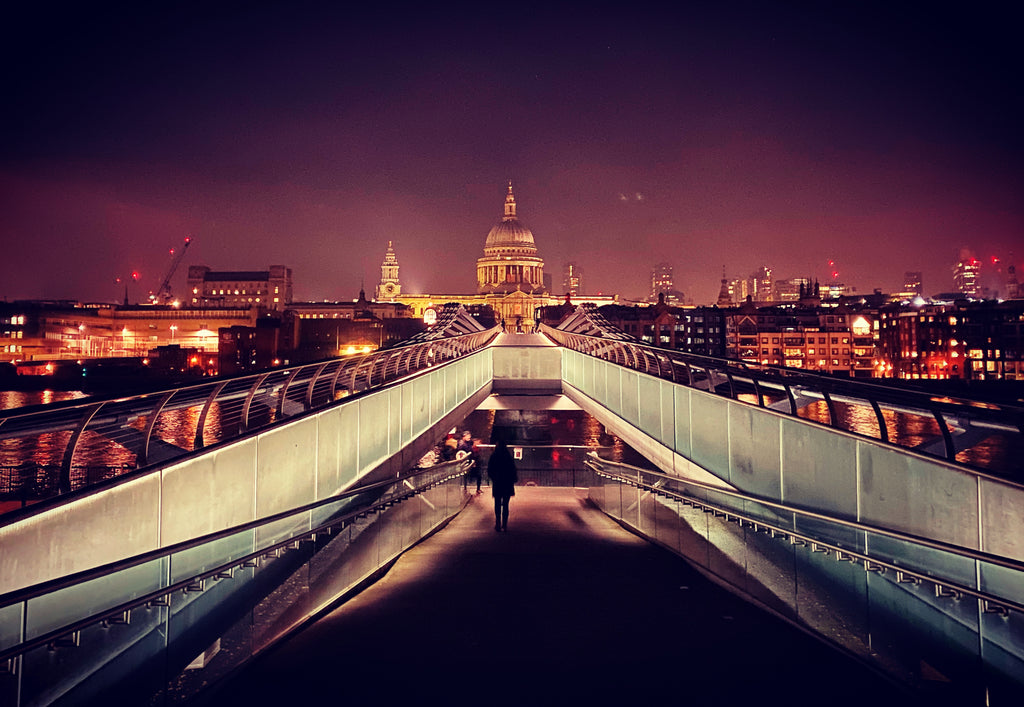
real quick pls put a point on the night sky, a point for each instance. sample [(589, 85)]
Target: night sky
[(713, 134)]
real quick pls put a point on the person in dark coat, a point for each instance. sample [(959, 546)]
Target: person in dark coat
[(501, 468), (468, 450)]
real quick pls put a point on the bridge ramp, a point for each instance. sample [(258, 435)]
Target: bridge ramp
[(566, 607)]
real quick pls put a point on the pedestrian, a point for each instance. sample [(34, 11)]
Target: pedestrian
[(502, 470), (449, 447), (468, 450)]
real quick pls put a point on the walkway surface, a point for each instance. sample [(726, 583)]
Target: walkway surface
[(564, 608)]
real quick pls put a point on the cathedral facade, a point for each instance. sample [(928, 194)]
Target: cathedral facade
[(510, 262), (509, 277)]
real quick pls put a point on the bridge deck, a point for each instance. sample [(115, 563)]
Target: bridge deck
[(565, 606)]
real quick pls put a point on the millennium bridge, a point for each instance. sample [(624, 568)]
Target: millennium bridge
[(278, 536)]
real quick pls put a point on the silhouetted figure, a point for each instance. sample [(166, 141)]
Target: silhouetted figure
[(449, 447), (502, 470), (468, 449)]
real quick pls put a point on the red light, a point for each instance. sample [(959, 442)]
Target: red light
[(135, 275)]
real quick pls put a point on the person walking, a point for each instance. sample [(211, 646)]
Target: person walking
[(467, 449), (501, 469)]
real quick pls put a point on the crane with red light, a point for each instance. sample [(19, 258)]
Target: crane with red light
[(163, 295)]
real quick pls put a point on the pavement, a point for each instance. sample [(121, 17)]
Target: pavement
[(566, 607)]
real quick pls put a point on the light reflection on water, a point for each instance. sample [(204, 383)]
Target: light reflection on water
[(904, 429), (550, 428), (10, 399), (99, 454)]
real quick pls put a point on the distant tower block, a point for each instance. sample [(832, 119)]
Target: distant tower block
[(389, 286), (965, 274), (572, 279), (661, 281)]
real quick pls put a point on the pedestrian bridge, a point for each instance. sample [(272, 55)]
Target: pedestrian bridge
[(885, 521)]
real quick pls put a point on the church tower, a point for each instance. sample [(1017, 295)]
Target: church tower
[(724, 298), (389, 286)]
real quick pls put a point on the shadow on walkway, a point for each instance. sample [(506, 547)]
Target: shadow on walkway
[(566, 607)]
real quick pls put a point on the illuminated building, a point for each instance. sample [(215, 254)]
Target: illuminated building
[(791, 290), (920, 342), (962, 339), (266, 290), (739, 290), (697, 330), (965, 275), (758, 287), (389, 287), (762, 285), (48, 330), (831, 339), (912, 287), (661, 281), (510, 278), (312, 331), (835, 290), (510, 262), (572, 278), (136, 330)]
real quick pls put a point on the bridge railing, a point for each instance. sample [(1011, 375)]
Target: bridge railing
[(981, 435), (63, 447), (145, 612), (969, 616)]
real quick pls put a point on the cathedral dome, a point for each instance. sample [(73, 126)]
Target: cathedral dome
[(509, 233), (510, 261)]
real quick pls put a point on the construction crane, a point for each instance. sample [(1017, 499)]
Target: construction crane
[(163, 295)]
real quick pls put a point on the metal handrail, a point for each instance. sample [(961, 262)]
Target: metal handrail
[(441, 473), (966, 552), (871, 563), (588, 333), (129, 425)]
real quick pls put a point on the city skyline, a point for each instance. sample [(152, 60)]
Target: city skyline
[(883, 140)]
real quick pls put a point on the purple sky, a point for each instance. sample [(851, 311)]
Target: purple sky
[(723, 134)]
